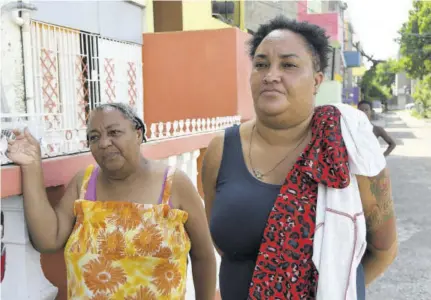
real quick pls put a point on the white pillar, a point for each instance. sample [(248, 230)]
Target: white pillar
[(185, 161), (194, 167), (172, 161), (24, 278)]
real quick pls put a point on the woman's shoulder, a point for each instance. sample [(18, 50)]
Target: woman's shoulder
[(83, 175)]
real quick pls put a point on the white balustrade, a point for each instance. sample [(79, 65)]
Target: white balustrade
[(189, 127)]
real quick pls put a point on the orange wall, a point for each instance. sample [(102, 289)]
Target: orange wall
[(193, 74)]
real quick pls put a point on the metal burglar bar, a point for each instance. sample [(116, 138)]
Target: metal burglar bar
[(73, 72)]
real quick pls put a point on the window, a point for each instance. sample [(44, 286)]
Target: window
[(227, 12), (314, 6)]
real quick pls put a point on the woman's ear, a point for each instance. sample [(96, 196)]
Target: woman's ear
[(318, 78), (139, 135)]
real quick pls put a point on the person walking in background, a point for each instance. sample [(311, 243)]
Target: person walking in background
[(128, 224), (378, 131), (299, 199)]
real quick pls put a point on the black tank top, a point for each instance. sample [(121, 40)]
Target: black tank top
[(238, 219)]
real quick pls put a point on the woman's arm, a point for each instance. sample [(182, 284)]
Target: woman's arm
[(378, 207), (202, 251), (210, 169), (387, 138), (49, 227)]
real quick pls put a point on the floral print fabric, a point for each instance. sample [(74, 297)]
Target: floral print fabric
[(125, 250)]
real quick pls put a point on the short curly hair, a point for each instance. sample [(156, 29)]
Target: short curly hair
[(366, 102), (128, 112), (314, 36)]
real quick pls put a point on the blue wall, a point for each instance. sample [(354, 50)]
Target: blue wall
[(352, 58)]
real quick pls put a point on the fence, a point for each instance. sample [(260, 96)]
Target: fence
[(73, 72)]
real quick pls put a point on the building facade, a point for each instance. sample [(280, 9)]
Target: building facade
[(332, 15), (259, 12), (60, 60), (353, 59)]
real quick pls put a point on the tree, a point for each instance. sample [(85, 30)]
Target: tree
[(386, 72), (422, 94), (415, 48), (415, 41), (378, 80)]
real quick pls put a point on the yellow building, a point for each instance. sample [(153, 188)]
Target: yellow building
[(162, 16)]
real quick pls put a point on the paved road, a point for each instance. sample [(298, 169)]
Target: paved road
[(410, 164)]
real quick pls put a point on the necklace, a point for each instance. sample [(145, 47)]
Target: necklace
[(258, 174)]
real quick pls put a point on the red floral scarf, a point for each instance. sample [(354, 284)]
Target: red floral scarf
[(284, 267)]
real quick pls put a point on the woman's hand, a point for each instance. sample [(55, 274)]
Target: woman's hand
[(24, 150)]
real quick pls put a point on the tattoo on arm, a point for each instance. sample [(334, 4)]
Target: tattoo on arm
[(380, 216)]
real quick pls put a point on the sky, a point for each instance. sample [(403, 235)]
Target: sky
[(377, 22)]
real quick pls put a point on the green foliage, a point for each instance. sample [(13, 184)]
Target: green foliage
[(415, 46), (414, 113), (415, 41), (376, 84), (386, 71), (422, 94)]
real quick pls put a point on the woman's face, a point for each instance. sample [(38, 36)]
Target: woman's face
[(283, 80), (113, 139), (366, 109)]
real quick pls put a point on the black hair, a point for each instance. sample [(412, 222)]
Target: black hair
[(129, 113), (365, 102), (314, 36)]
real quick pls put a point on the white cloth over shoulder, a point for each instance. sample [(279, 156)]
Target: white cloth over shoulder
[(339, 240)]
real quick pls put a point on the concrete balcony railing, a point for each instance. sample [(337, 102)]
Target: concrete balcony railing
[(61, 142)]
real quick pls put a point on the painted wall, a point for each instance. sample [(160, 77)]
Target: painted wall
[(149, 16), (11, 65), (120, 20), (194, 74), (329, 92), (259, 12), (168, 16), (197, 15), (351, 95), (330, 21)]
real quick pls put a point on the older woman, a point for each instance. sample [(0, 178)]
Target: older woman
[(298, 195), (127, 224)]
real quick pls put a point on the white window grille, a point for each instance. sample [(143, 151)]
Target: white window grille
[(73, 72)]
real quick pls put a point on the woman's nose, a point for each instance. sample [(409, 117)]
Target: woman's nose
[(105, 141), (273, 75)]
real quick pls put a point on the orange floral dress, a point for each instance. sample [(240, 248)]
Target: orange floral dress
[(124, 250)]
